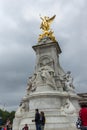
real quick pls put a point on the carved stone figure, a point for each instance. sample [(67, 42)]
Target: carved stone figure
[(68, 108), (68, 82), (23, 107), (47, 75), (31, 86), (44, 76)]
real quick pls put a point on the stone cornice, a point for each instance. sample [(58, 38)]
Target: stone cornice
[(43, 45)]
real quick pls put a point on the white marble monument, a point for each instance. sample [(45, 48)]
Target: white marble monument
[(49, 89)]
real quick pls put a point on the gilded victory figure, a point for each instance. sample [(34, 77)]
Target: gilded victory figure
[(45, 26)]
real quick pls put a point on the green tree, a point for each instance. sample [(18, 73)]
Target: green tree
[(5, 115)]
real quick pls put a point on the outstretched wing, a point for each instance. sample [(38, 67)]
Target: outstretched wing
[(51, 19)]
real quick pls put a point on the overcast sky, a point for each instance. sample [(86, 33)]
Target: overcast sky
[(19, 30)]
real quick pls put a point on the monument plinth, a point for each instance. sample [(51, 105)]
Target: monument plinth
[(49, 89)]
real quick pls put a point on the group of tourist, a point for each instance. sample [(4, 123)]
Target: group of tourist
[(39, 121), (7, 125)]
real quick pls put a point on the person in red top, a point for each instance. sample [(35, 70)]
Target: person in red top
[(25, 127), (83, 116)]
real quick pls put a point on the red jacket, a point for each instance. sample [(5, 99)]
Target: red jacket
[(83, 116), (25, 128)]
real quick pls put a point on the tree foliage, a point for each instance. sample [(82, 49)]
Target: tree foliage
[(4, 115)]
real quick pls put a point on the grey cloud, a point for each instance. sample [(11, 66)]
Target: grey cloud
[(19, 30)]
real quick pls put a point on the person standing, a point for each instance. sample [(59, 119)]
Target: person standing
[(8, 123), (42, 120), (83, 117), (25, 127), (37, 119)]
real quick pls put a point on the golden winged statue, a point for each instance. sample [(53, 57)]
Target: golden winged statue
[(45, 26), (46, 21)]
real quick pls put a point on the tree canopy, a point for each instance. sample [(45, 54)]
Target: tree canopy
[(4, 115)]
